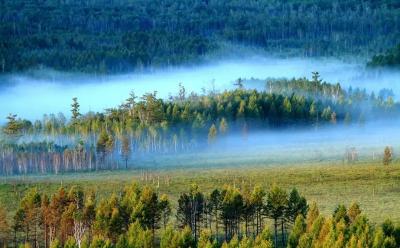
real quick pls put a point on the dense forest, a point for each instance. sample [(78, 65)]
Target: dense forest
[(120, 35), (183, 123), (229, 217), (390, 58)]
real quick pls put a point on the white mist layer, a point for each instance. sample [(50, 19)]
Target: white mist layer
[(331, 144), (30, 96)]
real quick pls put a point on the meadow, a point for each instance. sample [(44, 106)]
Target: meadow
[(371, 184)]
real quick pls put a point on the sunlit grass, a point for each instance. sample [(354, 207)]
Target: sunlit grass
[(374, 186)]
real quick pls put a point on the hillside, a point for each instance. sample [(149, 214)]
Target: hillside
[(109, 37)]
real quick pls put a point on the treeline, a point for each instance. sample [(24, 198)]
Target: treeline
[(121, 35), (390, 58), (227, 217), (183, 123)]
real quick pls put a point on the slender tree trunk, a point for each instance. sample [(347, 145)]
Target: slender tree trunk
[(246, 227), (226, 232), (257, 224), (276, 232), (283, 232), (216, 224)]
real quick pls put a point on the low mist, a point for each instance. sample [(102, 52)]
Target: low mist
[(340, 144), (31, 95)]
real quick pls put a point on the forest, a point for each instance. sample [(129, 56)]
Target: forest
[(389, 59), (186, 122), (97, 36), (227, 217)]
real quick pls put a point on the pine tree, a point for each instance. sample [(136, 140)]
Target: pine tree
[(387, 155), (169, 238), (212, 134), (298, 229), (276, 206), (13, 126), (215, 207), (257, 198), (139, 237), (296, 205), (190, 210), (205, 239), (223, 126), (313, 214), (353, 211), (148, 211), (264, 239), (165, 209), (316, 78), (239, 83), (75, 110)]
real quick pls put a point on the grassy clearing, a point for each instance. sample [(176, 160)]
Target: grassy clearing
[(374, 186)]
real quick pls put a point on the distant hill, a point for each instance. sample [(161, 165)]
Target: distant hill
[(123, 35)]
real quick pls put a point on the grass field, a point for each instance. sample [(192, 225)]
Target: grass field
[(374, 186)]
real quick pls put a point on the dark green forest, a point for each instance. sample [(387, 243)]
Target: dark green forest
[(389, 59), (124, 35)]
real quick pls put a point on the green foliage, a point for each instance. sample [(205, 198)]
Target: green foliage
[(276, 206), (70, 243), (212, 134), (205, 240), (387, 155), (391, 58), (55, 244), (177, 239), (13, 126), (299, 228), (75, 109), (353, 212), (105, 37), (100, 242), (139, 237)]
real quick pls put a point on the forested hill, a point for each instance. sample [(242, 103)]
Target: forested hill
[(390, 58), (114, 36)]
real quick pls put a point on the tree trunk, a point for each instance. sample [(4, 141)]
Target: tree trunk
[(276, 232), (216, 225), (283, 232)]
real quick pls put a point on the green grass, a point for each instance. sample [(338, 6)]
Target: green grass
[(374, 186)]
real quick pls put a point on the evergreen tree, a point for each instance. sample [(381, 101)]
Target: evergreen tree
[(75, 110), (223, 126), (165, 209), (298, 229), (277, 200), (212, 134), (13, 126), (353, 212), (387, 155)]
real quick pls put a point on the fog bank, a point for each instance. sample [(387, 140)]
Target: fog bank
[(32, 95), (338, 144)]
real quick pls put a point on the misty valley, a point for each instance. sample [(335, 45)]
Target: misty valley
[(265, 115), (199, 124)]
